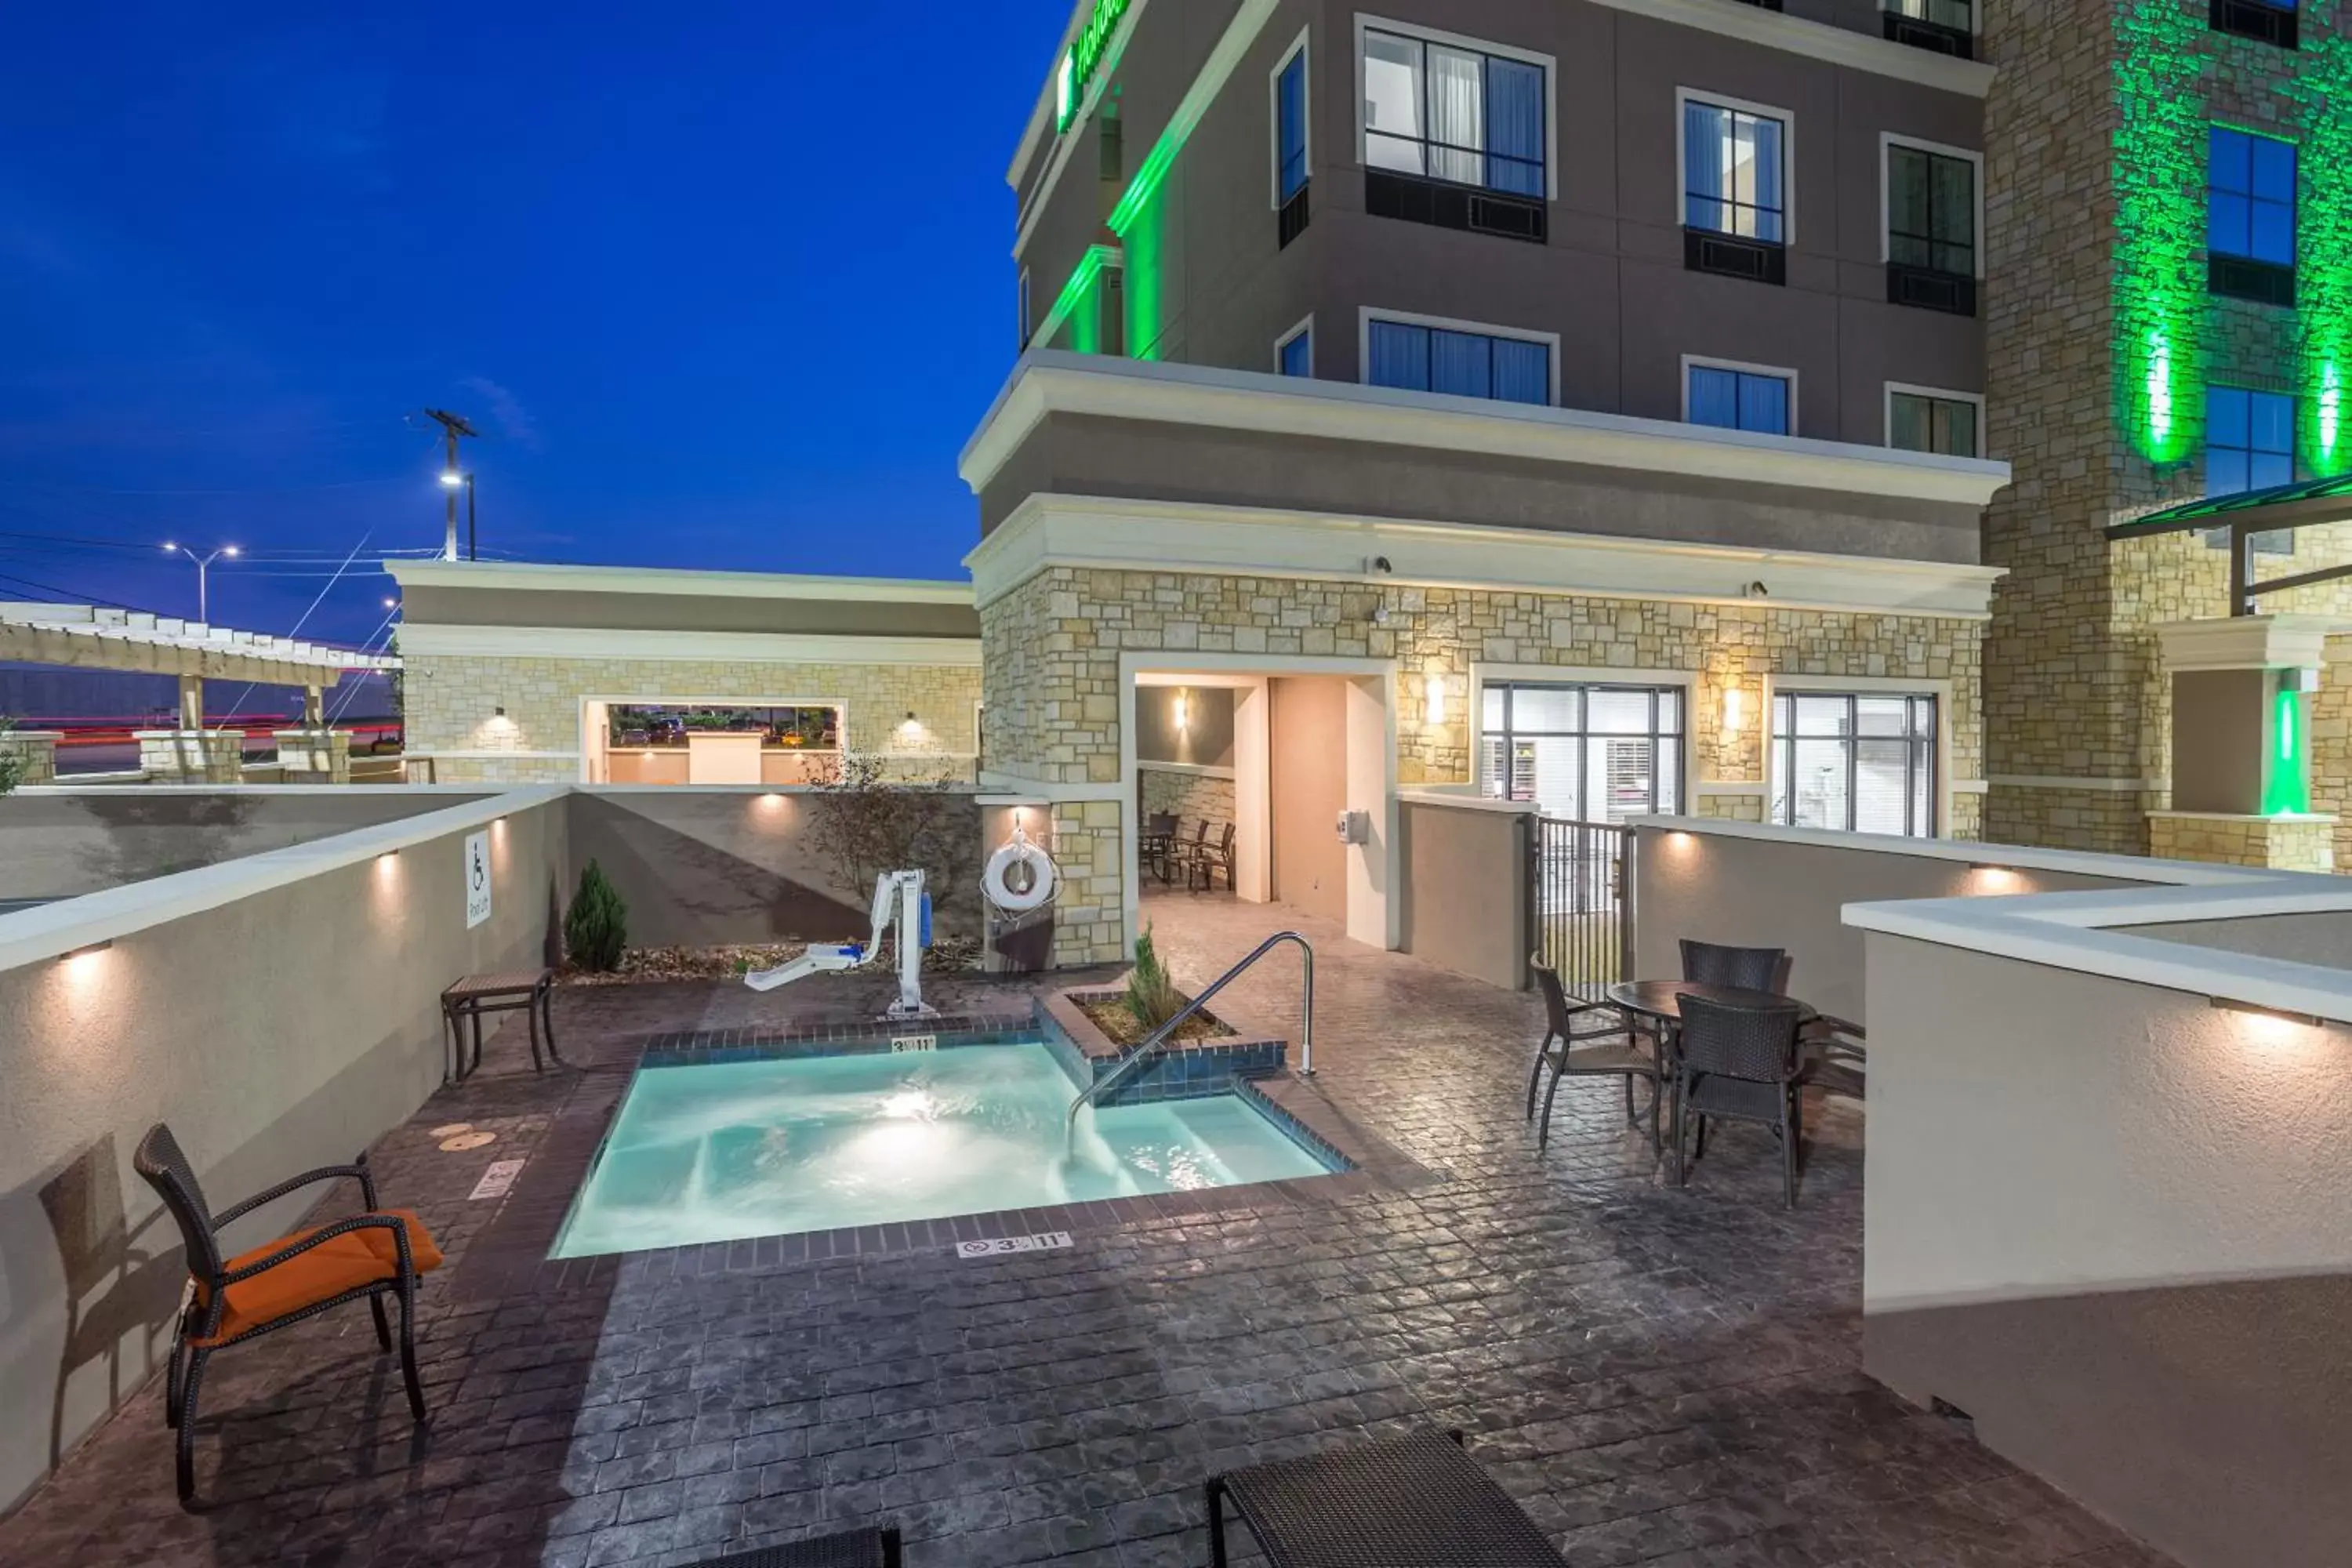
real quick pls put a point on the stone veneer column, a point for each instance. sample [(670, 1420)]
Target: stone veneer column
[(315, 756), (39, 750), (192, 756), (2241, 742)]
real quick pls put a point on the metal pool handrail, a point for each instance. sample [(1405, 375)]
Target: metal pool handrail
[(1159, 1038)]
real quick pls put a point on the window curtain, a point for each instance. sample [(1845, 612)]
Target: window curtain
[(1515, 127), (1400, 356), (1462, 363), (1764, 405), (1713, 397), (1954, 204), (1522, 372), (1706, 133), (1293, 133), (1759, 144), (1907, 208), (1298, 354), (1392, 69), (1457, 121)]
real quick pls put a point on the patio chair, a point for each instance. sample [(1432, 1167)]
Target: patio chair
[(1208, 860), (1739, 1064), (1159, 834), (1183, 851), (877, 1546), (1572, 1047), (281, 1282), (1740, 968), (1837, 1057), (1415, 1500)]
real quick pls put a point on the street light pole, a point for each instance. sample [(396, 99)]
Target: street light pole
[(453, 479), (204, 567)]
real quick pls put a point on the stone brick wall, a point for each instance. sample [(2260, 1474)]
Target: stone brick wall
[(450, 701), (2284, 843), (1189, 797), (1052, 650)]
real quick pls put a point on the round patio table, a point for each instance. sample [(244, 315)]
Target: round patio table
[(1656, 998)]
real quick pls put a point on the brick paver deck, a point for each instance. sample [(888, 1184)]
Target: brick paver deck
[(1659, 1376)]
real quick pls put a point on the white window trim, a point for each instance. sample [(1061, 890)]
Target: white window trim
[(1273, 116), (1684, 96), (1702, 362), (1871, 686), (1367, 314), (1946, 394), (1306, 329), (1975, 20), (1027, 328), (1551, 65), (1887, 142)]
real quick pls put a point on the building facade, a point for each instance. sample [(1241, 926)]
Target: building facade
[(610, 675), (1576, 407)]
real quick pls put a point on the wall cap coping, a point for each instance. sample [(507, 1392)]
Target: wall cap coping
[(524, 576), (604, 645), (2017, 856), (1051, 380), (1465, 802), (2292, 818), (2249, 642)]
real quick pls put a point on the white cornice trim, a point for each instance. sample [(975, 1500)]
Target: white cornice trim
[(1051, 380), (1819, 41), (1049, 531), (532, 577), (2249, 642), (756, 648)]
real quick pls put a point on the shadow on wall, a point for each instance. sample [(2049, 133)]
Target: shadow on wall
[(119, 1293), (155, 835), (702, 870)]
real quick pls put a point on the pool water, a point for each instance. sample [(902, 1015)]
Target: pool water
[(731, 1150)]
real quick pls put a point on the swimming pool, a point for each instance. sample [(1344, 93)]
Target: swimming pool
[(730, 1150)]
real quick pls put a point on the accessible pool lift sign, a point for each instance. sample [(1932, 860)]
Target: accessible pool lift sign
[(1085, 57), (477, 878)]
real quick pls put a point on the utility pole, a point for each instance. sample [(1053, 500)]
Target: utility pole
[(453, 426)]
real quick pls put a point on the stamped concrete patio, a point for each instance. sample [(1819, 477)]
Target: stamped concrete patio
[(1659, 1376)]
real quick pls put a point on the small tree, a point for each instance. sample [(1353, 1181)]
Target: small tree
[(13, 763), (870, 824), (1151, 993), (597, 928)]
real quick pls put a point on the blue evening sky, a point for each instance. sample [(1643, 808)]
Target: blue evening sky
[(724, 285)]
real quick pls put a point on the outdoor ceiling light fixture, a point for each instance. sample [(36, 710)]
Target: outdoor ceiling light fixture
[(85, 951), (2308, 1020)]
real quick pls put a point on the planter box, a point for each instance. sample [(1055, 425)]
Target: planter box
[(1186, 1071)]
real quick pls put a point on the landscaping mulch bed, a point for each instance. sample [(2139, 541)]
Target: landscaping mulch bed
[(1111, 1015)]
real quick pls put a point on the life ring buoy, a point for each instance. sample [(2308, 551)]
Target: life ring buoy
[(995, 881)]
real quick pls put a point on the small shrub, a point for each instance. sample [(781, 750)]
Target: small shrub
[(597, 927), (13, 763), (1151, 993)]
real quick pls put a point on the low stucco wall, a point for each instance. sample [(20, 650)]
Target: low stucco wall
[(1465, 890), (62, 843), (1788, 891), (2316, 938), (2105, 1219), (280, 1013), (712, 868)]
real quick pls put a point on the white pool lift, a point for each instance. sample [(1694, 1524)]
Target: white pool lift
[(899, 902)]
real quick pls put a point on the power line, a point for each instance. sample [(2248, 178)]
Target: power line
[(72, 596)]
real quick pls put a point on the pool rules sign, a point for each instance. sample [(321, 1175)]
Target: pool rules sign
[(477, 878)]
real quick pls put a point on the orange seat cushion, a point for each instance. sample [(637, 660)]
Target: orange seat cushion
[(343, 1263)]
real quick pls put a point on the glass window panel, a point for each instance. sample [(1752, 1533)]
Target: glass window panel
[(1959, 421), (1460, 364), (1910, 425), (1705, 133), (1764, 139), (1494, 765), (2266, 470), (1822, 715), (1670, 711), (2270, 419), (1882, 716), (1399, 355), (1292, 134), (1669, 758), (1622, 767), (1923, 795), (1881, 786), (2273, 170), (1954, 213), (1515, 127), (2232, 154), (1392, 85), (1555, 781), (1494, 706), (1713, 397), (1818, 796), (1299, 355), (1764, 404), (2271, 237), (2226, 471), (1522, 372), (1628, 776), (1536, 709), (1618, 712), (2226, 417), (1457, 115)]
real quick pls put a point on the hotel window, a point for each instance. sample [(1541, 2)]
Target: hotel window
[(1418, 358), (2250, 217), (1291, 163), (1734, 398), (1854, 763), (1946, 26), (2266, 21), (1295, 354), (1587, 753), (1453, 113), (1931, 229), (1933, 422), (1735, 191), (2249, 440)]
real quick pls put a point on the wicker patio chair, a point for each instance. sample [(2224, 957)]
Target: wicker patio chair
[(1413, 1502), (1740, 968), (281, 1282), (1837, 1057), (1588, 1039), (874, 1547), (1739, 1064)]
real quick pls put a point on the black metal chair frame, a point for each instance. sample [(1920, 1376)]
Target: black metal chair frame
[(161, 1162), (1159, 835), (1206, 861), (1738, 968), (1560, 1050), (1748, 1032)]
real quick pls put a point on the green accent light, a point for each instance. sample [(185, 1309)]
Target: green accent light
[(2289, 789), (2160, 171), (2319, 86), (1085, 57), (1141, 221), (1080, 303)]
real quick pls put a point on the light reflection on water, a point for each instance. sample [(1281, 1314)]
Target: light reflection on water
[(766, 1148)]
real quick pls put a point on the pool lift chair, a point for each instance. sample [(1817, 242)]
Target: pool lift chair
[(899, 901)]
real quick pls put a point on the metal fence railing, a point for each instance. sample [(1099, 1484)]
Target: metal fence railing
[(1581, 885)]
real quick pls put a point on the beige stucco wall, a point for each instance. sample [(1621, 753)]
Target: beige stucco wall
[(1053, 644), (1791, 894), (451, 697), (276, 1032), (2104, 1219), (1465, 890)]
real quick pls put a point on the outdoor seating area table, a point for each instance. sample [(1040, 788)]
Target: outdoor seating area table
[(1415, 1502), (531, 992), (1656, 999)]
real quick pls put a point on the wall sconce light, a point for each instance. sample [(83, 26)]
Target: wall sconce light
[(1432, 687), (387, 858), (1735, 709), (86, 951), (1182, 712), (2276, 1014)]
